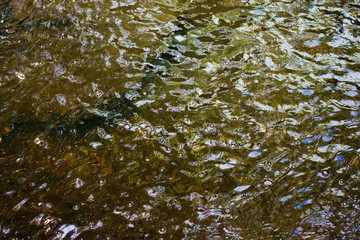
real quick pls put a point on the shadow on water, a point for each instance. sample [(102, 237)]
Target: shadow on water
[(78, 123)]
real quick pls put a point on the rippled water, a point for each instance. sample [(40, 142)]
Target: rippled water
[(180, 119)]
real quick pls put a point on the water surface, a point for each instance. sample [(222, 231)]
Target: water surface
[(180, 119)]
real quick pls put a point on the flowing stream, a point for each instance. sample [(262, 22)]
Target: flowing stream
[(179, 119)]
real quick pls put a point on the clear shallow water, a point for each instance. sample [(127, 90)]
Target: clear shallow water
[(182, 120)]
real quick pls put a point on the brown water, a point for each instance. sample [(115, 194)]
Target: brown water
[(187, 119)]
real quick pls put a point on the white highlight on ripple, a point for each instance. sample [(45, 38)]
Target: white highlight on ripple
[(337, 192), (78, 183), (255, 154), (180, 38), (20, 204), (241, 188)]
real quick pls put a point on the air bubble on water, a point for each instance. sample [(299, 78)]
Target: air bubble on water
[(102, 182), (324, 174), (124, 194), (20, 76), (76, 207), (61, 99), (267, 183), (162, 230), (38, 141), (344, 204), (341, 182)]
